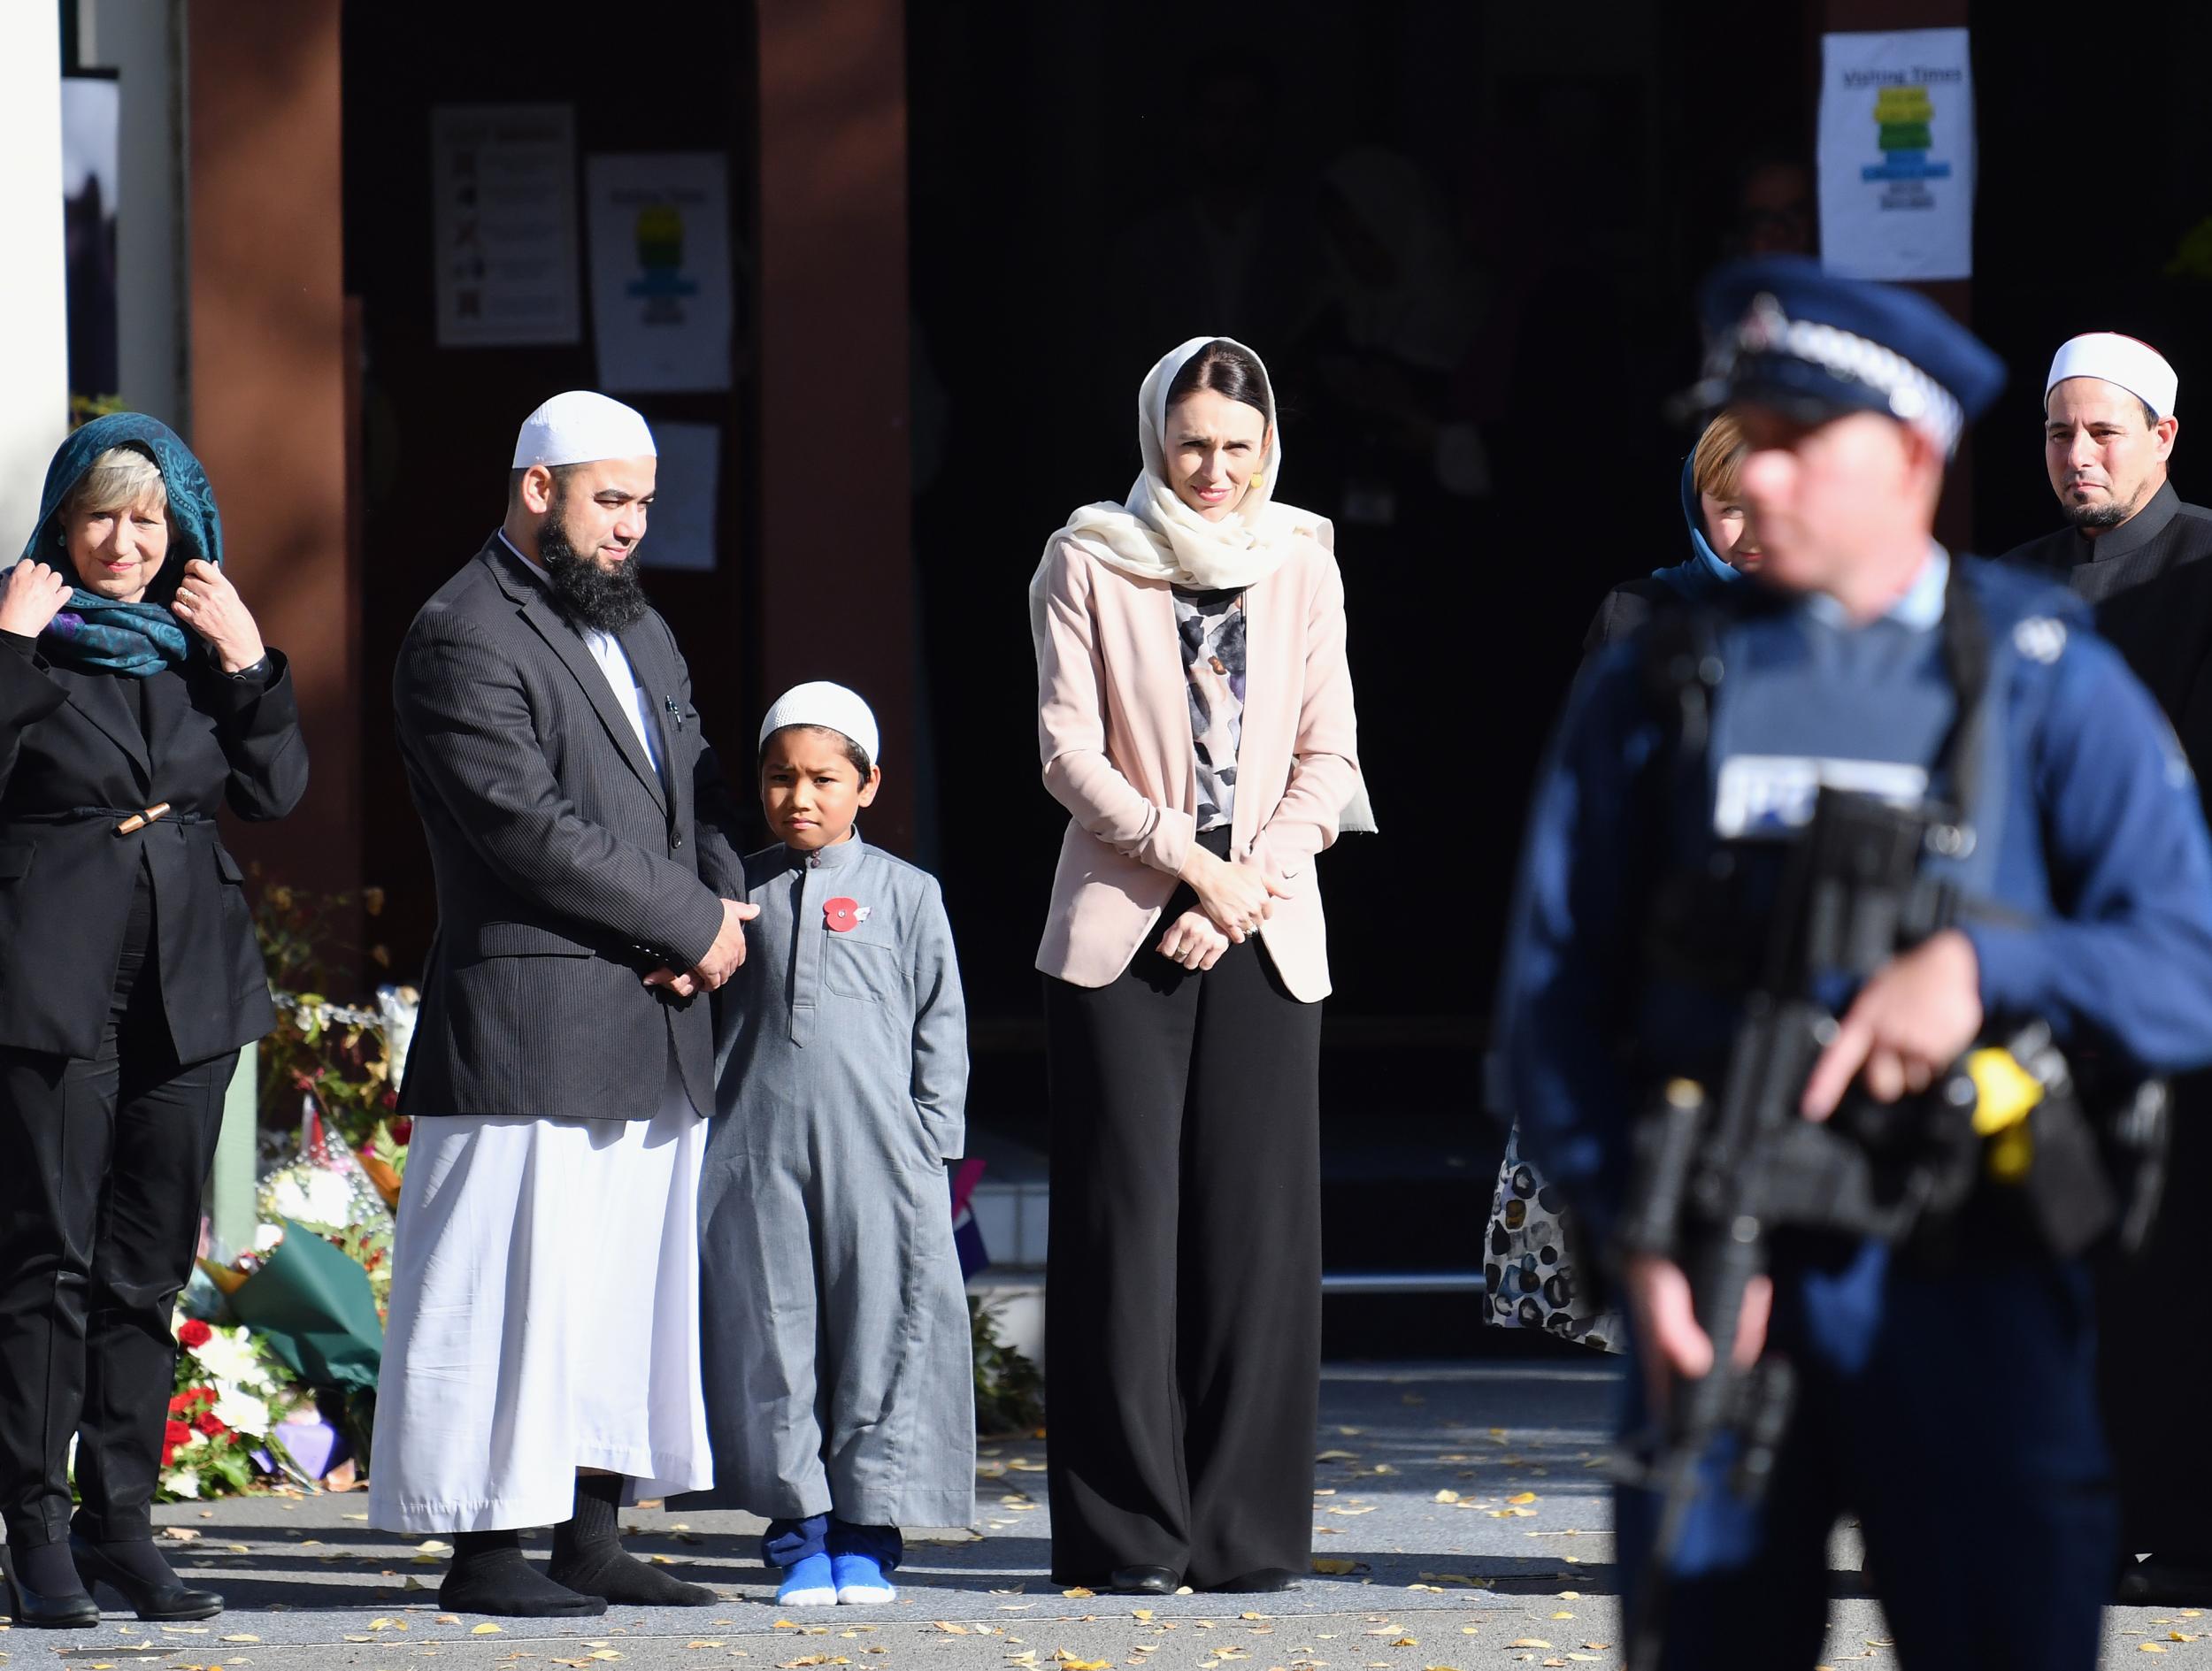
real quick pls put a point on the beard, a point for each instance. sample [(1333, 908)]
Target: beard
[(2110, 514), (593, 598)]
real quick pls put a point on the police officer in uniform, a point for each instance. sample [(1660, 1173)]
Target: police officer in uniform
[(1948, 1403)]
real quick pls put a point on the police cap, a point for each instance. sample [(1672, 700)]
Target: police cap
[(1783, 334)]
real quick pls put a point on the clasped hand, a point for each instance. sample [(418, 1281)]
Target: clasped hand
[(1236, 898), (1916, 1016), (722, 960)]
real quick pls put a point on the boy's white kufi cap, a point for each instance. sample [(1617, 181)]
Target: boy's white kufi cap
[(2136, 366), (833, 706), (578, 427)]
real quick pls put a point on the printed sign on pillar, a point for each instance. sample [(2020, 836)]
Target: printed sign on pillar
[(661, 303), (1897, 155)]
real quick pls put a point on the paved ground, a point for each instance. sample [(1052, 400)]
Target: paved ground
[(1462, 1524)]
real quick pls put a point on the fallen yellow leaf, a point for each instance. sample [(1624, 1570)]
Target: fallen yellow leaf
[(1446, 1497), (950, 1629), (1333, 1564), (485, 1630), (1078, 1593), (1522, 1497), (1528, 1642), (241, 1637)]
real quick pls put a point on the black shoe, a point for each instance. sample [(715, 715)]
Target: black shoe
[(75, 1611), (1143, 1581), (162, 1602), (1259, 1580)]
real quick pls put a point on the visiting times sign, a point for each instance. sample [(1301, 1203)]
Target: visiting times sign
[(1897, 155)]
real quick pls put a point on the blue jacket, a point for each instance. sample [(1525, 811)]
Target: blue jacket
[(2095, 843), (1703, 575), (1700, 578)]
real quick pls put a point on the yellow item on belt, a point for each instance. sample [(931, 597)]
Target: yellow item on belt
[(2006, 1093)]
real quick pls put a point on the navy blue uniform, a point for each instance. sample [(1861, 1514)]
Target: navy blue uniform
[(1953, 1410)]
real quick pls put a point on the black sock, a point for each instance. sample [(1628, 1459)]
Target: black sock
[(587, 1554), (488, 1575), (46, 1568)]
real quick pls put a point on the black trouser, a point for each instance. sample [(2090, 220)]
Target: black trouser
[(105, 1162), (1183, 1292)]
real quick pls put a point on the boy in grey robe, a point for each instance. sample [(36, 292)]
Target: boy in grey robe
[(841, 1395)]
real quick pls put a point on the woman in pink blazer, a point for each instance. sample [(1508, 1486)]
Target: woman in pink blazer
[(1195, 719)]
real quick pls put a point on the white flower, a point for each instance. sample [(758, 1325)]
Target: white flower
[(226, 1356), (242, 1410), (331, 1198), (185, 1482), (267, 1236)]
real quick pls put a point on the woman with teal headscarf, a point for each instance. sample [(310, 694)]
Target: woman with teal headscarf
[(136, 698)]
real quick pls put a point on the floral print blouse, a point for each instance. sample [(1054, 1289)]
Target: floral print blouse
[(1212, 624)]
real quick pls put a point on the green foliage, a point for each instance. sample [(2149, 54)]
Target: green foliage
[(84, 408), (344, 1064), (1009, 1388)]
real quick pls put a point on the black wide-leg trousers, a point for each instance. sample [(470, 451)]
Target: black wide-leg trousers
[(106, 1160), (1182, 1286)]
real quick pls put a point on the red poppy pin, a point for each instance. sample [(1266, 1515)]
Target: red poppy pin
[(843, 916)]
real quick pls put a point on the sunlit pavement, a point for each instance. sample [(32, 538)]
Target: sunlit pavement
[(1462, 1521)]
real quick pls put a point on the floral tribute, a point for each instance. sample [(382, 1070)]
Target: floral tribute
[(221, 1432)]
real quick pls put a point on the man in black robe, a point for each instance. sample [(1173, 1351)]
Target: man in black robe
[(2132, 549)]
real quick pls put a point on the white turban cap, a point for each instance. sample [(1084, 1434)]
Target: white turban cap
[(830, 706), (580, 426), (2135, 366)]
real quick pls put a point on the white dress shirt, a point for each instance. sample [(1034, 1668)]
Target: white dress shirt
[(606, 650)]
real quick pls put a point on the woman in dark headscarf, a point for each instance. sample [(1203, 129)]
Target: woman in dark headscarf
[(135, 697), (1534, 1262), (1723, 545)]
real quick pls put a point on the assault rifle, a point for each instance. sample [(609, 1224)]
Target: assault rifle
[(1719, 1171)]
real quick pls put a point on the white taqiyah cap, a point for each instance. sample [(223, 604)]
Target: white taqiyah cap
[(822, 703), (580, 426), (2135, 366)]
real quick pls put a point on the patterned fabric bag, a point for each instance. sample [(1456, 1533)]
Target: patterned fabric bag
[(1534, 1264)]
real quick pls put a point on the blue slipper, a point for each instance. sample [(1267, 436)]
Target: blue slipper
[(808, 1584), (861, 1582)]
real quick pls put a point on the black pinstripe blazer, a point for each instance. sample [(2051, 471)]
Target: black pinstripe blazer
[(566, 868)]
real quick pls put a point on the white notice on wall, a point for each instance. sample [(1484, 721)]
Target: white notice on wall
[(687, 489), (504, 221), (1897, 155), (660, 270)]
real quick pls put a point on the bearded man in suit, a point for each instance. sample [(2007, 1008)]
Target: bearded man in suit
[(542, 1351)]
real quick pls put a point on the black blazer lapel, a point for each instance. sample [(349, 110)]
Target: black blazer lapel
[(568, 644), (101, 699)]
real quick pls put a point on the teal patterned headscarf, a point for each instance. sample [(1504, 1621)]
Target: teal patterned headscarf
[(94, 635)]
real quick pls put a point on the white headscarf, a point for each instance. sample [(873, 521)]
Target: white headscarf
[(1154, 536)]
